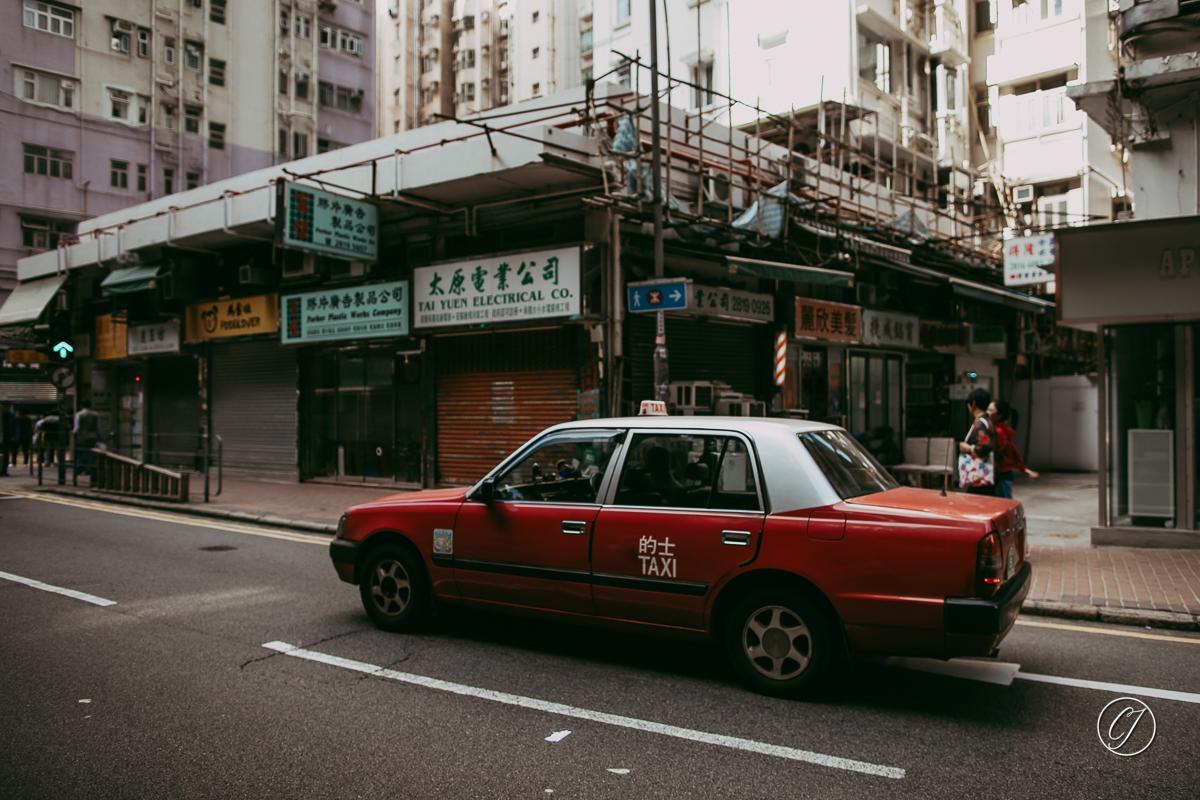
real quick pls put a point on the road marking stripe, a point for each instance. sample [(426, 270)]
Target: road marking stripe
[(632, 723), (45, 587), (195, 522), (1129, 634), (1103, 686)]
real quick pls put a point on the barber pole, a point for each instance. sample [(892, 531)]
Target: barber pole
[(780, 356)]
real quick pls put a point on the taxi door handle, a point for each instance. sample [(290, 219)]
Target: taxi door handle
[(741, 538), (574, 528)]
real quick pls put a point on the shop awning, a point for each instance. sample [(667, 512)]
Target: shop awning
[(29, 299), (790, 272), (1005, 297), (129, 279)]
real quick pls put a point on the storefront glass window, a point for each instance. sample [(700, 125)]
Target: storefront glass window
[(353, 413)]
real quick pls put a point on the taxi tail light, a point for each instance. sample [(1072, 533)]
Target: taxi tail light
[(989, 565)]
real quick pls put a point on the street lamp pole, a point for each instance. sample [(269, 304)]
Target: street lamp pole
[(661, 372)]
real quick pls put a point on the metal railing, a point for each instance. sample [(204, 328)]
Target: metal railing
[(120, 475)]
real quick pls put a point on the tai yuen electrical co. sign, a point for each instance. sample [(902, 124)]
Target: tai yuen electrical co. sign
[(325, 223), (529, 285)]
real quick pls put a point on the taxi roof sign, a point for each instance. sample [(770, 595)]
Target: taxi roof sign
[(653, 408)]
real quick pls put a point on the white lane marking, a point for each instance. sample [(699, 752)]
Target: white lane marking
[(560, 709), (1004, 674), (85, 701), (618, 770), (45, 587), (558, 736)]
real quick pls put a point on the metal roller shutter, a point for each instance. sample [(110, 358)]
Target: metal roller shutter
[(254, 409), (698, 351)]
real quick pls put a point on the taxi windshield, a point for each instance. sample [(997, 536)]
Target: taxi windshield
[(851, 470)]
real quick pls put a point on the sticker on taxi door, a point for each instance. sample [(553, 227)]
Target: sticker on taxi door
[(658, 558), (443, 541)]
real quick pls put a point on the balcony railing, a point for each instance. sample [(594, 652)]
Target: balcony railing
[(1036, 113)]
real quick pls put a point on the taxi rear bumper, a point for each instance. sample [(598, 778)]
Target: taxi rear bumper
[(977, 616)]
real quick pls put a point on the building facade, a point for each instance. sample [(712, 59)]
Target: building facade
[(111, 105)]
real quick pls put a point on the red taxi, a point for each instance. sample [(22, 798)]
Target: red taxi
[(782, 539)]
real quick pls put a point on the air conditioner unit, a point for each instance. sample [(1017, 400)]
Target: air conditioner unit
[(1022, 194), (306, 77), (484, 16), (718, 190), (121, 26), (300, 264), (248, 273), (741, 406), (695, 397)]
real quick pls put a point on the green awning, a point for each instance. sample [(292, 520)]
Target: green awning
[(1004, 297), (797, 273), (130, 279), (29, 299)]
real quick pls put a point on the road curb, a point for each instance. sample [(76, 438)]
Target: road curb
[(1118, 616), (271, 520)]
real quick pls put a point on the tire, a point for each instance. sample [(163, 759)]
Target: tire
[(394, 589), (781, 643)]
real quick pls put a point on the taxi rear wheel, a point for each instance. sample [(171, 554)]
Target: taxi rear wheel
[(780, 642), (393, 588)]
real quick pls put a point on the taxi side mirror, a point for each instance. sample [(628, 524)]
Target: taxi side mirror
[(487, 490)]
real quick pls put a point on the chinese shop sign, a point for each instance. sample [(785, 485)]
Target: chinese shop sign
[(817, 319), (320, 222), (362, 312), (522, 286), (720, 301), (160, 338), (222, 319), (1025, 258), (891, 329), (111, 339)]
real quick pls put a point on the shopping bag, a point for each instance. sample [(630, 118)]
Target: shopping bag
[(975, 471)]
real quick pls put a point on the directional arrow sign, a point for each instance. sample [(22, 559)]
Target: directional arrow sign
[(63, 349), (670, 294)]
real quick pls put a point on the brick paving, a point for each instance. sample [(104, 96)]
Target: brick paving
[(1117, 577)]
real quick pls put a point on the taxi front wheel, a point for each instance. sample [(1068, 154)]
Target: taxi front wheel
[(393, 588), (780, 642)]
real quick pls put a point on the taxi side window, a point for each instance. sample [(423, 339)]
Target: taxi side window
[(686, 471), (565, 468)]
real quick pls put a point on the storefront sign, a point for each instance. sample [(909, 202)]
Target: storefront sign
[(222, 319), (362, 312), (811, 358), (160, 338), (325, 223), (891, 329), (724, 302), (522, 286), (1025, 257), (27, 357), (111, 339), (818, 319)]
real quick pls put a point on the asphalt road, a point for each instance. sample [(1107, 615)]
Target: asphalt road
[(169, 692)]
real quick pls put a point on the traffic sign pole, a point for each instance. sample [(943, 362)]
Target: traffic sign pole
[(661, 372)]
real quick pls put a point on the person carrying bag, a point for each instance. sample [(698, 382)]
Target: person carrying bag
[(976, 455)]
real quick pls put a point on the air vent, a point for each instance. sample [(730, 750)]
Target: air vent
[(1022, 194)]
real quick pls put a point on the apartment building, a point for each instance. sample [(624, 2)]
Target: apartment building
[(114, 103), (1049, 164)]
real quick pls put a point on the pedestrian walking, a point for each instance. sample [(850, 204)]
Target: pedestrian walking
[(1008, 457), (24, 436), (45, 434), (87, 433), (976, 459), (7, 420)]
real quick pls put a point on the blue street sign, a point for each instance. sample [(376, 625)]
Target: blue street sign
[(668, 295)]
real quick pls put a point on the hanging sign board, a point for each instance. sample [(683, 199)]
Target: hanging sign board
[(891, 329), (818, 319), (222, 319), (1025, 258), (111, 340), (720, 301), (512, 288), (361, 312), (325, 223), (148, 339)]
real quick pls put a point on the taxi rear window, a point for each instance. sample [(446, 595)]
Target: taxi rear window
[(851, 470)]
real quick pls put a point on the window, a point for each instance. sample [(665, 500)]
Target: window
[(143, 110), (983, 110), (168, 181), (466, 93), (429, 62), (468, 24), (535, 16), (536, 51), (564, 468), (216, 72), (396, 97), (466, 59), (169, 51), (326, 145), (284, 25), (688, 471), (537, 89), (168, 115), (343, 98), (118, 174), (299, 145), (283, 141), (985, 16), (51, 19), (850, 469), (284, 81), (193, 180), (396, 65), (191, 120), (328, 37), (349, 99), (585, 41), (216, 11), (625, 76), (120, 35), (141, 177), (1052, 8), (623, 11), (143, 44), (44, 234), (349, 43), (951, 90), (196, 3), (191, 55), (702, 77), (216, 135), (47, 89), (874, 61), (49, 162), (587, 74), (325, 93), (302, 86), (396, 126), (118, 103), (303, 28)]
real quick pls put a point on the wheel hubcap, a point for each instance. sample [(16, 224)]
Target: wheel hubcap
[(777, 642), (390, 589)]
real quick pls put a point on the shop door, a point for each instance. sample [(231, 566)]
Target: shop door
[(876, 396), (254, 409), (174, 412), (363, 448), (128, 425)]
